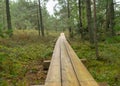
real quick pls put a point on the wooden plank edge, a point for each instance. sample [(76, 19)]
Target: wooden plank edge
[(83, 60), (46, 64)]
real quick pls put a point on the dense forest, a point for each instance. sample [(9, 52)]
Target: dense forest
[(28, 33)]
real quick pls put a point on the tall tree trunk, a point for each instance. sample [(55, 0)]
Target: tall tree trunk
[(89, 21), (112, 13), (3, 15), (80, 19), (69, 26), (107, 16), (41, 20), (38, 20), (110, 18), (9, 26), (95, 31)]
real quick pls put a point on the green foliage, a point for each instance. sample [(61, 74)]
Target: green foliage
[(9, 32), (117, 18), (4, 33), (28, 15), (1, 33), (17, 52), (115, 39), (107, 68)]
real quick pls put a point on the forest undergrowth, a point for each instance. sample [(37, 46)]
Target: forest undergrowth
[(21, 58), (106, 69), (22, 55)]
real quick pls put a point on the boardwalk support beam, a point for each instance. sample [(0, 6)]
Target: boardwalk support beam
[(46, 64)]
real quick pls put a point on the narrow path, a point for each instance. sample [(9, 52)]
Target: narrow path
[(66, 69)]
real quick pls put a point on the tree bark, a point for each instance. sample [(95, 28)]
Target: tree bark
[(112, 15), (80, 19), (107, 16), (3, 15), (110, 18), (95, 31), (38, 20), (9, 26), (89, 21), (41, 20), (69, 26)]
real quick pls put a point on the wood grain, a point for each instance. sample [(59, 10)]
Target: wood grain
[(66, 69)]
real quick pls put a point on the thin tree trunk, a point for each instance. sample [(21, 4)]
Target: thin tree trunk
[(95, 31), (112, 13), (9, 26), (89, 21), (107, 16), (110, 18), (80, 19), (3, 10), (38, 21), (41, 20), (69, 26)]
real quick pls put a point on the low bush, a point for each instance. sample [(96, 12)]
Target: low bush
[(19, 52), (107, 68)]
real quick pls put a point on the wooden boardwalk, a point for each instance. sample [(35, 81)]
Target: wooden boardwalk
[(66, 69)]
